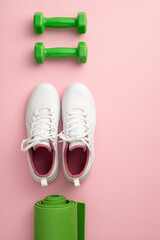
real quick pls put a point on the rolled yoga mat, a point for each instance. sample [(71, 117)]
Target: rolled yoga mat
[(56, 218)]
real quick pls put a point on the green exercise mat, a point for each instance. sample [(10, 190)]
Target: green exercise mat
[(56, 218)]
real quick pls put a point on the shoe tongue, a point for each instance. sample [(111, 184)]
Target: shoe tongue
[(78, 130), (46, 145), (77, 144)]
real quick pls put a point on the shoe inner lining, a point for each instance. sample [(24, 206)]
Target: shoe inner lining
[(42, 160), (76, 160)]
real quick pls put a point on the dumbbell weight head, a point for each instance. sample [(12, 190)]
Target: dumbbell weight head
[(82, 52), (39, 52), (82, 22), (39, 24)]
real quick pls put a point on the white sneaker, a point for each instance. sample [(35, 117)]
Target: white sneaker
[(79, 120), (42, 120)]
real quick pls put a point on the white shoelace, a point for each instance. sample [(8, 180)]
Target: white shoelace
[(42, 128), (77, 121)]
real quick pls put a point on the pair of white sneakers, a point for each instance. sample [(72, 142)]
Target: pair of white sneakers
[(42, 120)]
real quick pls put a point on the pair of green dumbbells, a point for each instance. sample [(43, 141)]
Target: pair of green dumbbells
[(40, 52)]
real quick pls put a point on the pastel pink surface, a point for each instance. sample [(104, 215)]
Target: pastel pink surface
[(122, 194)]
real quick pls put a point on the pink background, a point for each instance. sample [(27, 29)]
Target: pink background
[(122, 194)]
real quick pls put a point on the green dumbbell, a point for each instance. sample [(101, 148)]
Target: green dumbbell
[(40, 22), (40, 52)]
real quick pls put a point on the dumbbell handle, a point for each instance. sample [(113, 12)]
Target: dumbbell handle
[(61, 52), (60, 22)]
